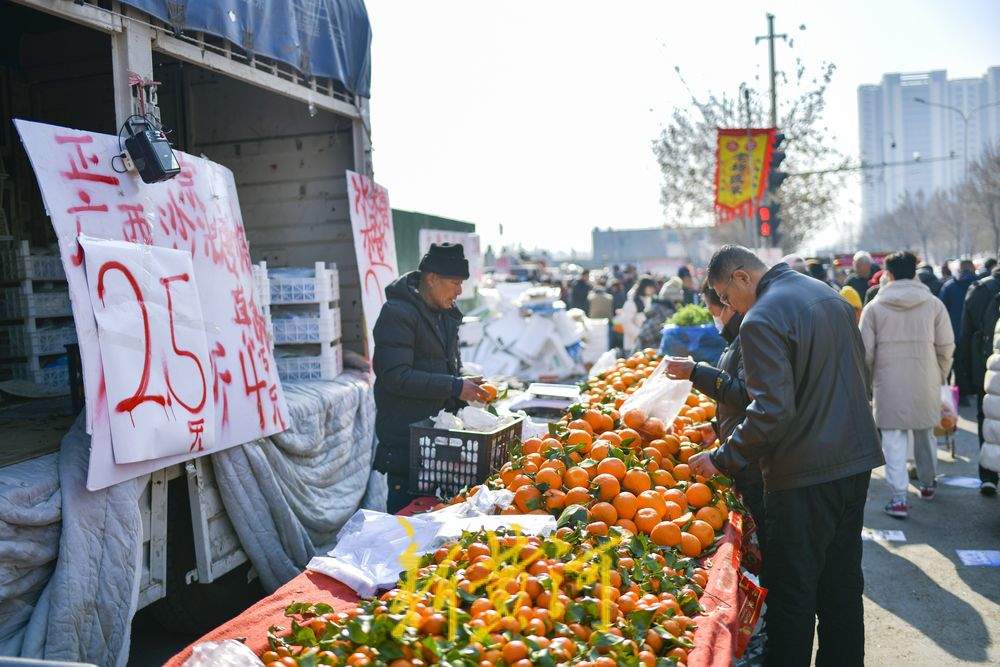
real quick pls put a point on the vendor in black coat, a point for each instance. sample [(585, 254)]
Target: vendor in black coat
[(416, 361)]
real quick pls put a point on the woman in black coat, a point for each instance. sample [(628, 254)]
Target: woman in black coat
[(726, 385)]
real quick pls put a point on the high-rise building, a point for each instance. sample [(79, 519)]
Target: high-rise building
[(895, 127)]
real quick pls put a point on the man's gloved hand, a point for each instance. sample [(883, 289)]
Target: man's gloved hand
[(472, 392), (679, 368)]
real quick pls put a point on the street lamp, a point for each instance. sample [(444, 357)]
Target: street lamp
[(965, 120)]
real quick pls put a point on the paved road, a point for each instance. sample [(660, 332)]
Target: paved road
[(922, 606)]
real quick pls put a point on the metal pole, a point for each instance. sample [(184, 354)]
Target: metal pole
[(965, 159), (770, 49), (754, 232)]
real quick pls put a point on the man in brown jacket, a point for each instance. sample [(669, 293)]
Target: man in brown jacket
[(908, 348)]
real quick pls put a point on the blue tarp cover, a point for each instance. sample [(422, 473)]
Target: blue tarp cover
[(330, 38)]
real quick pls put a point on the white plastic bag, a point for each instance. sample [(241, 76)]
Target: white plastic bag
[(227, 653), (605, 362), (989, 456), (659, 396), (949, 408), (447, 421), (479, 420)]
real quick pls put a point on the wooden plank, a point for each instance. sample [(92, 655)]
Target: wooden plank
[(91, 16), (190, 53)]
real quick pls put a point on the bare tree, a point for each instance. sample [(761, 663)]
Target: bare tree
[(949, 223), (982, 193), (686, 147)]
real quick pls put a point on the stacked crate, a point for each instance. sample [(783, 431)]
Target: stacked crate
[(305, 319), (262, 296), (36, 319)]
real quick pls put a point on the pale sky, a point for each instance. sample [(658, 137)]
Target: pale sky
[(539, 114)]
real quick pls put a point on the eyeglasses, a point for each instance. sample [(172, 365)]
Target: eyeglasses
[(724, 298)]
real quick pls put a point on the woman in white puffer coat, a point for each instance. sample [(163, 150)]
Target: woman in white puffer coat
[(989, 454)]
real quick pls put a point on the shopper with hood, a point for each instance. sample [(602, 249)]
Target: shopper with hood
[(908, 349), (416, 361), (633, 312), (953, 294)]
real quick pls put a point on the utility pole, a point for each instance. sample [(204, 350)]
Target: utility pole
[(770, 37)]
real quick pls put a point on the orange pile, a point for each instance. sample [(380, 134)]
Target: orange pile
[(627, 470), (615, 584)]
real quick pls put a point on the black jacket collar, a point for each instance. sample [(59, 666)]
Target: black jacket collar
[(772, 274), (732, 328)]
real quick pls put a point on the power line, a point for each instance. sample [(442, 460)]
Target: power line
[(872, 165)]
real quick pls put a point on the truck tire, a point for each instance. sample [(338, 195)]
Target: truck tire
[(195, 608)]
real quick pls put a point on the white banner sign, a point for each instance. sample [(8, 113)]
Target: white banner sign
[(469, 242), (153, 349), (197, 213), (374, 245)]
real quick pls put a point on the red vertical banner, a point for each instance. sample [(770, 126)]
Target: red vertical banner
[(742, 162)]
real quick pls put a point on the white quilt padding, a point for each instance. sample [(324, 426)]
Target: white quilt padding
[(287, 500), (287, 496), (30, 515), (84, 611)]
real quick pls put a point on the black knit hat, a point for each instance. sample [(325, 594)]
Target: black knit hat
[(446, 259)]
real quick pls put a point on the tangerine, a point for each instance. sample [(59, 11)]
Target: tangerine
[(578, 495), (611, 437), (698, 495), (634, 418), (579, 437), (554, 499), (665, 534), (673, 510), (580, 425), (653, 501), (531, 445), (607, 485), (646, 519), (598, 528), (690, 545), (703, 531), (677, 496), (662, 478), (605, 512), (628, 525), (527, 498), (612, 466), (682, 472), (654, 428), (626, 504), (599, 451), (576, 476), (637, 480), (711, 516)]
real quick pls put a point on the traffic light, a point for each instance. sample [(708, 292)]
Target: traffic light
[(775, 177), (767, 221)]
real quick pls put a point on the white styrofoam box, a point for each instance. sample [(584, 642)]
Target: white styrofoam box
[(506, 330), (570, 331), (596, 341), (325, 366), (535, 331), (54, 376), (320, 326), (322, 285), (17, 263), (16, 305), (471, 331), (17, 341)]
